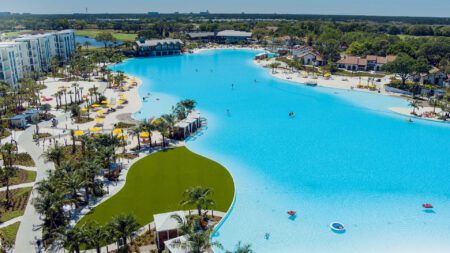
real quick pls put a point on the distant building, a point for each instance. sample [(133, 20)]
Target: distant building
[(159, 47), (371, 62), (233, 37), (308, 56), (153, 13), (202, 36), (204, 12), (5, 14), (11, 69), (435, 76), (33, 53)]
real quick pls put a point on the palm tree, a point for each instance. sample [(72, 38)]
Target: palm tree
[(73, 183), (54, 154), (8, 170), (71, 239), (434, 103), (124, 225), (274, 66), (246, 248), (415, 104), (75, 86), (137, 131), (72, 134), (6, 173), (198, 196), (197, 241), (95, 235)]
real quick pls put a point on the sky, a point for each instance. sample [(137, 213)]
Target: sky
[(428, 8)]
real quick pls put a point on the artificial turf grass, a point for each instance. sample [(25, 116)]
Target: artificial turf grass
[(155, 184)]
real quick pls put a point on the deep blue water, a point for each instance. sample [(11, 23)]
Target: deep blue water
[(344, 157), (95, 43)]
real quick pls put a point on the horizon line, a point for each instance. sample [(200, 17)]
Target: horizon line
[(220, 13)]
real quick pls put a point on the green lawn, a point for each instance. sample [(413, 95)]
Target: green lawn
[(118, 35), (10, 231), (16, 33), (155, 184), (11, 215)]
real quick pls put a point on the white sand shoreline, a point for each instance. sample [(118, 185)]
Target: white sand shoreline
[(408, 113)]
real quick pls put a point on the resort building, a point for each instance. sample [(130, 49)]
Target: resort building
[(204, 37), (435, 76), (233, 37), (11, 69), (171, 245), (188, 126), (308, 56), (159, 47), (166, 226), (34, 53), (371, 62)]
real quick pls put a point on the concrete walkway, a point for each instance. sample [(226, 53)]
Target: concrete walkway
[(30, 231), (18, 186), (10, 222), (30, 228)]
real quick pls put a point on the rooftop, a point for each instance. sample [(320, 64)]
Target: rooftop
[(233, 33), (356, 60), (171, 245), (151, 43), (165, 221), (201, 34)]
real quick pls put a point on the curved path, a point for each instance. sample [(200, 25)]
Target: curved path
[(29, 230)]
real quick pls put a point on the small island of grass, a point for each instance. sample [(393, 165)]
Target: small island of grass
[(155, 184)]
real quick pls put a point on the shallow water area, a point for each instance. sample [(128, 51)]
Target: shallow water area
[(344, 157)]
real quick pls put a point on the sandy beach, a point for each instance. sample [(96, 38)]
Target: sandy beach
[(421, 113)]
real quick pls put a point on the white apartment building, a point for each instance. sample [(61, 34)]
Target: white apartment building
[(11, 68), (34, 53)]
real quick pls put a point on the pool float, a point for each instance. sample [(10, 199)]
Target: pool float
[(292, 213), (427, 206), (337, 227)]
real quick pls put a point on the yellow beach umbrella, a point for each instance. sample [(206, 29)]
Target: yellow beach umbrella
[(120, 101), (110, 106), (78, 132), (83, 109), (327, 75), (102, 111), (117, 131), (98, 120), (95, 129), (145, 134), (95, 105), (122, 136)]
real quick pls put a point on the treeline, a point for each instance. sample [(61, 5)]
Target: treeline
[(244, 16), (303, 24)]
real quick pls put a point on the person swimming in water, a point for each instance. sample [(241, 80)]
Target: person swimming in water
[(291, 114), (267, 236)]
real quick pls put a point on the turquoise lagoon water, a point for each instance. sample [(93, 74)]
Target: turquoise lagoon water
[(344, 157)]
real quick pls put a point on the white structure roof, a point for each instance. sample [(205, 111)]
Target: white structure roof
[(151, 43), (182, 124), (164, 221), (200, 34), (170, 245), (232, 33)]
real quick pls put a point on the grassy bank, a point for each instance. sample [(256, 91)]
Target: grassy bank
[(118, 35), (155, 184)]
